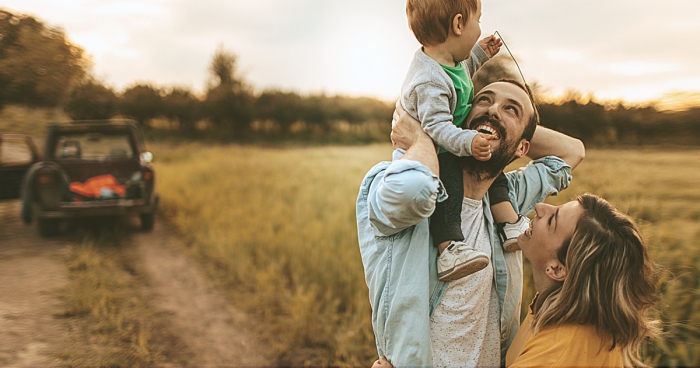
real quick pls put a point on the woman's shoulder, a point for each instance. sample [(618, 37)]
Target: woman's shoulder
[(568, 345)]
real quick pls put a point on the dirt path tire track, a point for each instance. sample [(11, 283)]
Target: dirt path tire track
[(33, 331), (215, 332), (32, 272)]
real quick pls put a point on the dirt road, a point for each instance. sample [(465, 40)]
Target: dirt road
[(217, 333), (33, 273)]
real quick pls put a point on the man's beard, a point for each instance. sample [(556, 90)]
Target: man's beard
[(500, 158)]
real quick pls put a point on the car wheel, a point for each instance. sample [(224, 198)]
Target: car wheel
[(147, 221), (47, 226)]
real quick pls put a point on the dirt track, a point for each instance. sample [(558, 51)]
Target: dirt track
[(33, 271)]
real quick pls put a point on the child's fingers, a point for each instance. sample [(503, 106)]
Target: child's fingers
[(485, 157)]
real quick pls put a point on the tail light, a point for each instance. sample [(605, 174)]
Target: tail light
[(148, 181), (46, 178)]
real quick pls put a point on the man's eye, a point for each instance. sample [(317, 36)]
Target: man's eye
[(549, 221)]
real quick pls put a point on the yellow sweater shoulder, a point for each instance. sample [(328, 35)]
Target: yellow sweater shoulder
[(565, 346)]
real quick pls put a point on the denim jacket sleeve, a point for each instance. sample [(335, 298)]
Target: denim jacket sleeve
[(533, 183), (403, 196), (393, 206)]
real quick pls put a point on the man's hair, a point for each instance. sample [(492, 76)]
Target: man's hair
[(531, 125), (430, 20), (610, 283)]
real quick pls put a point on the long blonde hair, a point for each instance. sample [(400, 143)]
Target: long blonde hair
[(611, 281)]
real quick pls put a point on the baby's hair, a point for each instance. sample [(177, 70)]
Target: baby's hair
[(430, 20)]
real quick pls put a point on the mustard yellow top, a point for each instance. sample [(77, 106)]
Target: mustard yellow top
[(561, 346)]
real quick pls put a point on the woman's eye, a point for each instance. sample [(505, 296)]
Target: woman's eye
[(549, 221)]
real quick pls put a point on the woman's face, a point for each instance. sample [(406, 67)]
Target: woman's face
[(548, 230)]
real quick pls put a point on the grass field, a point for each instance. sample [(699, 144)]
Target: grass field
[(276, 227)]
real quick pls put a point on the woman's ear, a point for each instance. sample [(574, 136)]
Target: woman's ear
[(556, 271)]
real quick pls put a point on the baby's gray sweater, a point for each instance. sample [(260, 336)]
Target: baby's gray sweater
[(428, 94)]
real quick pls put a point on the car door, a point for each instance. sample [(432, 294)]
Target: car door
[(17, 154)]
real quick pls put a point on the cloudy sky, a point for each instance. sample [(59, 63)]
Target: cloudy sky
[(630, 49)]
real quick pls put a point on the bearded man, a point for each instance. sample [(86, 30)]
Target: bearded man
[(417, 319)]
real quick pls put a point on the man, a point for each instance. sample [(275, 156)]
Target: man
[(417, 320)]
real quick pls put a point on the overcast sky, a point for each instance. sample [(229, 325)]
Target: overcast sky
[(630, 49)]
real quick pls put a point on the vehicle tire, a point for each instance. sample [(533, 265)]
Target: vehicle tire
[(47, 226), (147, 221)]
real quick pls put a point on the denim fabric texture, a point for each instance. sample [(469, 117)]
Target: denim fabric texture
[(393, 206)]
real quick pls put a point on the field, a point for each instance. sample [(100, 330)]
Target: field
[(276, 227)]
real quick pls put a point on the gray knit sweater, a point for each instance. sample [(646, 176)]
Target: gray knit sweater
[(428, 94)]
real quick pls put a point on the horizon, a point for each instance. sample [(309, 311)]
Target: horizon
[(615, 51)]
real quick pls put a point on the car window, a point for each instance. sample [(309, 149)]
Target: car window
[(15, 152), (94, 146)]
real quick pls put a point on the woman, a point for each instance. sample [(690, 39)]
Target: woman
[(595, 285)]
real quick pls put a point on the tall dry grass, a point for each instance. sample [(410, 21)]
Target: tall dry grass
[(277, 227), (105, 305)]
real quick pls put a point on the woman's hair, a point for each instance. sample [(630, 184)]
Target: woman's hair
[(610, 283)]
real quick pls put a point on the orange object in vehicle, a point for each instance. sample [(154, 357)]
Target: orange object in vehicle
[(92, 186)]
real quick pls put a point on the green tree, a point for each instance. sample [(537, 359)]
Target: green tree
[(229, 101), (38, 64), (181, 105), (91, 100), (284, 108), (141, 102)]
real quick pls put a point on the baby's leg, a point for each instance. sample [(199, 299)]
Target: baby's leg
[(510, 224), (457, 259)]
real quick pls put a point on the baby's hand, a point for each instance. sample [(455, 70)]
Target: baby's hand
[(481, 147), (491, 45), (382, 363)]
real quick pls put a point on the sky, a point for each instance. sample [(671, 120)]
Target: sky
[(634, 50)]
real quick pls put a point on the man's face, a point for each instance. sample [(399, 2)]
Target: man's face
[(503, 110)]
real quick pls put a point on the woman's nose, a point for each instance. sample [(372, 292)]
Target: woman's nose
[(541, 209)]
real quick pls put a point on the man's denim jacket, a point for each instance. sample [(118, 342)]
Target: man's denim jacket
[(395, 201)]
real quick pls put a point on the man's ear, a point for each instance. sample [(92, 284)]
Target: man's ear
[(556, 271), (523, 148), (458, 24)]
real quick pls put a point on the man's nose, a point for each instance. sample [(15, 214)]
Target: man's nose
[(492, 111)]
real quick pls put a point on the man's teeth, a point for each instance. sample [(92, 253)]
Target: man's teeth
[(486, 130)]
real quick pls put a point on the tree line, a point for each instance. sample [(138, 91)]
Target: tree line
[(40, 67)]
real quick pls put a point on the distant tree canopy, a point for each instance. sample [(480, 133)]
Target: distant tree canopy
[(229, 102), (141, 102), (183, 107), (40, 67), (91, 100), (38, 64)]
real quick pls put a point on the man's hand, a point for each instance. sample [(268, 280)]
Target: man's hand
[(481, 147), (491, 45), (382, 363), (407, 134), (405, 130)]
